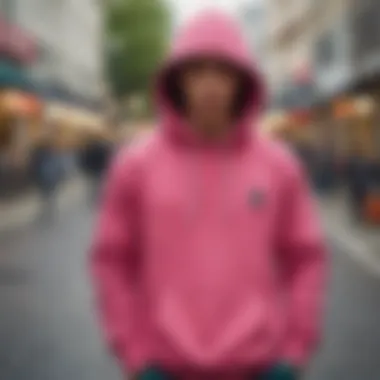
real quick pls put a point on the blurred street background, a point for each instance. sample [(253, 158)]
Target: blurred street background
[(75, 85)]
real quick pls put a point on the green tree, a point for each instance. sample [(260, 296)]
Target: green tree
[(137, 33)]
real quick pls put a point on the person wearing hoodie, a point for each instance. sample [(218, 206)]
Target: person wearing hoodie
[(208, 259)]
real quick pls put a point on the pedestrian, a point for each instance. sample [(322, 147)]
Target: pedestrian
[(358, 180), (208, 259), (94, 159), (46, 170)]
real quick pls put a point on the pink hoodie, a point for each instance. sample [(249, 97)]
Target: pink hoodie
[(209, 258)]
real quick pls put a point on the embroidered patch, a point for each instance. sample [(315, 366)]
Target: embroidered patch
[(257, 198)]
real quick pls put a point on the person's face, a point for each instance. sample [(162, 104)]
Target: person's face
[(210, 89)]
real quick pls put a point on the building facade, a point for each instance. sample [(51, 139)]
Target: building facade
[(338, 42), (294, 26), (50, 57), (365, 35), (69, 38), (254, 20), (332, 56)]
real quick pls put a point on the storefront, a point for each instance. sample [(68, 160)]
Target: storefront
[(355, 118), (73, 126), (352, 126), (20, 118), (20, 122)]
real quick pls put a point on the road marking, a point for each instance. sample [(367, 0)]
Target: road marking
[(357, 250), (350, 244)]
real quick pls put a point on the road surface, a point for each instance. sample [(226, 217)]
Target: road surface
[(48, 330)]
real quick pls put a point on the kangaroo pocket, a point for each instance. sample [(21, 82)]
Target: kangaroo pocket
[(251, 332)]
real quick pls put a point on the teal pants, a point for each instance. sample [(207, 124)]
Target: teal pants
[(278, 372), (154, 374)]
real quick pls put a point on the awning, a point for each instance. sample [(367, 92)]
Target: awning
[(20, 104), (13, 77), (78, 118)]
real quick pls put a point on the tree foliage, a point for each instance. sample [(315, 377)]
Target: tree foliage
[(136, 39)]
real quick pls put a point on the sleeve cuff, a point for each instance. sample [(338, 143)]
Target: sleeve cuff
[(134, 361), (296, 353)]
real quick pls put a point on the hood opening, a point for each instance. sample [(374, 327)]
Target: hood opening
[(248, 98), (210, 35)]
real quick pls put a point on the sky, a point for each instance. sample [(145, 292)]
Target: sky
[(186, 8)]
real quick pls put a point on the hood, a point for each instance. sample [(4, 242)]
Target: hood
[(211, 34)]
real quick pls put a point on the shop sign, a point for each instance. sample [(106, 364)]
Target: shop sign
[(15, 42)]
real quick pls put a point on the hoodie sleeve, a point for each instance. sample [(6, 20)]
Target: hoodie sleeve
[(302, 252), (113, 256)]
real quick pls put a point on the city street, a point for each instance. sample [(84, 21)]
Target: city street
[(48, 330)]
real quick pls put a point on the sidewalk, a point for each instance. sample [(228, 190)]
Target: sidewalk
[(360, 241), (23, 211)]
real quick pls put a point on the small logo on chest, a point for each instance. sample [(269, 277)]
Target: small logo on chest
[(257, 198)]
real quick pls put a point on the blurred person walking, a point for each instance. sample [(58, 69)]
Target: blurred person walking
[(358, 179), (46, 172), (94, 160), (208, 259)]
